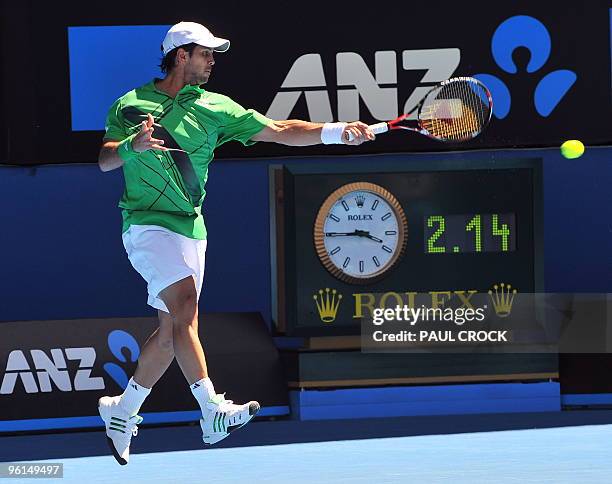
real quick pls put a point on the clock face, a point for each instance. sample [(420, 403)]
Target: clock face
[(360, 232)]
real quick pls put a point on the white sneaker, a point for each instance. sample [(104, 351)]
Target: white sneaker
[(120, 427), (223, 417)]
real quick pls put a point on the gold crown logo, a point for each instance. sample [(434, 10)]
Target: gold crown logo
[(502, 300), (327, 304), (360, 199)]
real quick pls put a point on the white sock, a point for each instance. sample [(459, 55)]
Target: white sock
[(133, 397), (203, 390)]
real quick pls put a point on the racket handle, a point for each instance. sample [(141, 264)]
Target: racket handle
[(376, 129)]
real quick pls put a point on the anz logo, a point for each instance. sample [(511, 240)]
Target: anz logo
[(379, 90), (119, 340), (530, 33), (354, 80), (51, 367)]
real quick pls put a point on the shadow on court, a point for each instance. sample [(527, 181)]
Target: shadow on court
[(188, 437)]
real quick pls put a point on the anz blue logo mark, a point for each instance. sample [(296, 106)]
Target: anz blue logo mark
[(528, 32), (117, 341)]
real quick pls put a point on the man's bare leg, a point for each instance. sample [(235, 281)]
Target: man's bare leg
[(181, 300), (157, 353), (120, 413), (155, 358)]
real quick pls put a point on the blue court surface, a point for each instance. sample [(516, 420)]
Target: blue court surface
[(574, 453)]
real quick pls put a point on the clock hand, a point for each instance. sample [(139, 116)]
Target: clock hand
[(365, 233), (336, 234), (356, 233)]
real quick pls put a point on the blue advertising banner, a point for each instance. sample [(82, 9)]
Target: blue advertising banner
[(52, 373), (548, 69)]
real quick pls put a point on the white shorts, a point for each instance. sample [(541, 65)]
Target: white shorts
[(163, 257)]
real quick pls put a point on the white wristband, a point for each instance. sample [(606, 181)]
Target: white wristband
[(331, 133)]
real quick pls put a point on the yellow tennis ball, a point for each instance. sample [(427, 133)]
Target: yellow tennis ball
[(572, 149)]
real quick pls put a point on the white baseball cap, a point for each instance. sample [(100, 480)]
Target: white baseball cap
[(191, 32)]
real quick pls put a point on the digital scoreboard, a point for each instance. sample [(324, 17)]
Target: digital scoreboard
[(349, 237), (473, 232)]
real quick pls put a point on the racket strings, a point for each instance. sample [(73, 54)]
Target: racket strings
[(456, 111)]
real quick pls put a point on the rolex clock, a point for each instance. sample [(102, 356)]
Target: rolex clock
[(360, 232)]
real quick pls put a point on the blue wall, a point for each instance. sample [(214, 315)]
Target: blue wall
[(62, 255), (108, 79)]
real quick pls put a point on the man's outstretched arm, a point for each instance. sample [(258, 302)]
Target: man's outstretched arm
[(294, 132)]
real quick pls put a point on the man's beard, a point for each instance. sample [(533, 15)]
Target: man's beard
[(195, 79)]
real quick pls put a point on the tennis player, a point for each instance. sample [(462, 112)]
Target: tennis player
[(164, 135)]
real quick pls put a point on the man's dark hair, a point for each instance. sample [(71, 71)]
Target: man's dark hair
[(167, 62)]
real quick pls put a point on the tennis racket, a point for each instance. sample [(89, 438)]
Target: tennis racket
[(455, 110)]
